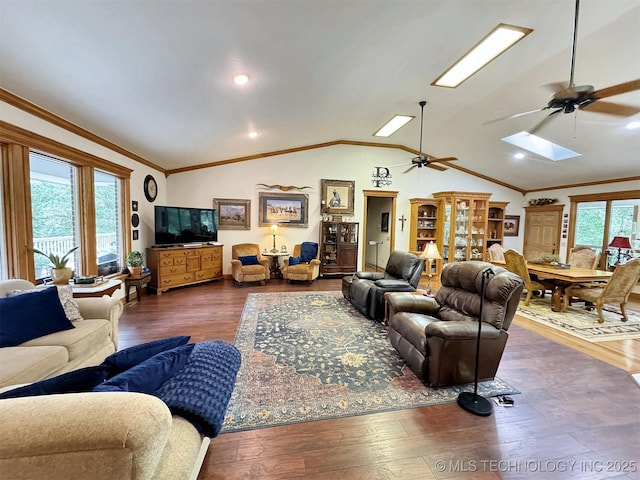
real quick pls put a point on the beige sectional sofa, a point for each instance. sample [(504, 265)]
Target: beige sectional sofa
[(93, 338), (97, 435), (92, 435)]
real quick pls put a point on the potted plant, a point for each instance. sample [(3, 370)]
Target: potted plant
[(60, 273), (134, 263)]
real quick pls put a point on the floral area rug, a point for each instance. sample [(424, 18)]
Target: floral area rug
[(312, 356), (583, 323)]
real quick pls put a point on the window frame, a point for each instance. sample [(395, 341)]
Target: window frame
[(16, 144), (609, 198)]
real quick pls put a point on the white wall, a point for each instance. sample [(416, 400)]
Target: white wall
[(343, 162)]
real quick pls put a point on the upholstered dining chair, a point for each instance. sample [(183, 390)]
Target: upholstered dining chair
[(247, 265), (583, 257), (616, 290), (495, 252), (303, 265), (515, 262)]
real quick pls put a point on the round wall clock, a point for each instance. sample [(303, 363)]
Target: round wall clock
[(150, 188)]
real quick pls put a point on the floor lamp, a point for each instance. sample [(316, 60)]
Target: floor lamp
[(430, 253), (472, 402)]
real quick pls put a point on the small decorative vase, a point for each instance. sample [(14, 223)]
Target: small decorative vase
[(135, 272), (61, 276)]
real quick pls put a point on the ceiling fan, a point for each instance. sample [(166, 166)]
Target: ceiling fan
[(569, 97), (423, 160)]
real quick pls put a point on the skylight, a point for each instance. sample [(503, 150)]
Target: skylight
[(540, 146)]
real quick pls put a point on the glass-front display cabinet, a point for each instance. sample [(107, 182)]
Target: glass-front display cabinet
[(338, 248), (426, 227), (464, 226)]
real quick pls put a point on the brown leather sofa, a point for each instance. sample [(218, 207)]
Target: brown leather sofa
[(401, 274), (437, 335)]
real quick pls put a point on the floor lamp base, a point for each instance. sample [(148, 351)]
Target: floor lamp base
[(475, 404)]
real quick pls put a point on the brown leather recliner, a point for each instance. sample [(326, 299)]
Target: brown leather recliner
[(437, 335), (401, 274)]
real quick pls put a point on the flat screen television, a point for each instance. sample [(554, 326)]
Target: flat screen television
[(183, 225)]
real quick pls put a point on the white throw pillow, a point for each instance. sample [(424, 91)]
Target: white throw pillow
[(65, 294)]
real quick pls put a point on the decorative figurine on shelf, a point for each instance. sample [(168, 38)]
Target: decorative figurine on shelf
[(283, 249)]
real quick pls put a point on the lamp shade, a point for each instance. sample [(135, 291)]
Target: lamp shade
[(431, 252), (620, 242)]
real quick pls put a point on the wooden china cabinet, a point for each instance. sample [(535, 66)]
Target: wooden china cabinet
[(425, 227), (465, 225), (338, 248)]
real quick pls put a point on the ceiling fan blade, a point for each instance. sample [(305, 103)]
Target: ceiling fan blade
[(618, 89), (410, 168), (445, 159), (399, 165), (542, 122), (436, 167), (611, 108), (556, 86), (521, 114)]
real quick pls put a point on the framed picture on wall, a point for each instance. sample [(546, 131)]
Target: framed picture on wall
[(337, 196), (384, 222), (233, 214), (511, 225), (285, 209)]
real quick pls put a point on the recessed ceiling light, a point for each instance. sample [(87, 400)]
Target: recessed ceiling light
[(241, 79), (519, 156), (496, 42), (540, 146), (632, 125), (253, 134), (393, 125)]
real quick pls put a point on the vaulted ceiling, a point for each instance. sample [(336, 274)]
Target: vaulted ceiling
[(156, 77)]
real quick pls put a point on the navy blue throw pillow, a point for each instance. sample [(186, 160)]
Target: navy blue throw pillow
[(82, 380), (132, 356), (249, 260), (308, 251), (294, 261), (149, 375), (25, 317)]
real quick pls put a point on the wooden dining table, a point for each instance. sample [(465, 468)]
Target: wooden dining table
[(562, 278)]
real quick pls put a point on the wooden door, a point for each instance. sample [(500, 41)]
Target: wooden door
[(542, 230)]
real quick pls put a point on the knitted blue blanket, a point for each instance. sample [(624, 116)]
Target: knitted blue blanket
[(201, 391)]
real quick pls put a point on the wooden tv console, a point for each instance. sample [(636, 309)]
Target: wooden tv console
[(179, 266)]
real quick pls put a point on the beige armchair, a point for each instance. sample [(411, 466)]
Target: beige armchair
[(616, 290), (245, 268), (515, 262), (303, 271)]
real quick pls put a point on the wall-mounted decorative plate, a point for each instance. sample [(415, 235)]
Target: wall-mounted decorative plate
[(150, 188)]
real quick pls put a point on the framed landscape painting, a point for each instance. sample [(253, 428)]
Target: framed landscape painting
[(233, 214), (337, 196), (285, 209)]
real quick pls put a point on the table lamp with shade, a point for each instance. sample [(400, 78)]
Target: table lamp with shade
[(274, 232), (620, 243), (430, 253)]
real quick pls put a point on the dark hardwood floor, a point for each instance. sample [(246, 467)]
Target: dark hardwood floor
[(576, 416)]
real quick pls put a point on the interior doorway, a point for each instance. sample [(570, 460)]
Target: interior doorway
[(378, 228)]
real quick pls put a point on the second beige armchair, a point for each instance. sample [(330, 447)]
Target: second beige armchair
[(308, 268), (247, 265)]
